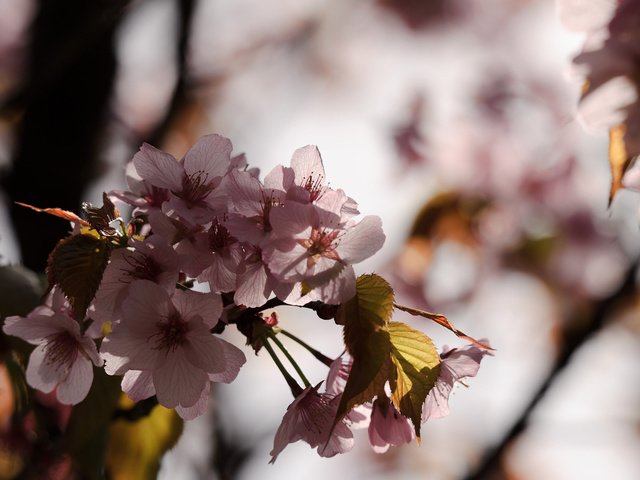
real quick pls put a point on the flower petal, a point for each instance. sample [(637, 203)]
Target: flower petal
[(78, 382), (211, 155), (177, 381), (158, 168), (138, 385), (362, 240)]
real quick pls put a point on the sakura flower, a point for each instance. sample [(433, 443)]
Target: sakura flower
[(192, 182), (251, 205), (149, 260), (167, 338), (255, 283), (314, 246), (308, 184), (611, 65), (220, 258), (144, 196), (456, 364), (311, 416), (139, 384), (63, 357), (388, 426)]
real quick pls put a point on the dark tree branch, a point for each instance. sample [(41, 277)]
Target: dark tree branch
[(574, 339), (180, 93), (65, 97)]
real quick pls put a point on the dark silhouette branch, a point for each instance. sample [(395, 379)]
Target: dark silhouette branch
[(574, 338)]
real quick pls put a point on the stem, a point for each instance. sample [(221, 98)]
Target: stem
[(290, 358), (319, 355), (293, 385)]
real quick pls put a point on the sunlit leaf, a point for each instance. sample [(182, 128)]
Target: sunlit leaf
[(443, 321), (372, 305), (77, 264), (364, 318), (417, 365), (369, 372), (135, 449), (619, 159)]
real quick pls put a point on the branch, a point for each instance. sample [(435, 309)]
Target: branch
[(574, 339)]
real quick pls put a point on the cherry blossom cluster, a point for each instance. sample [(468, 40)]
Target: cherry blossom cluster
[(209, 221)]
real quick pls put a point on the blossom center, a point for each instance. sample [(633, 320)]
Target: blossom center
[(143, 267), (268, 202), (195, 188), (315, 412), (314, 185), (171, 334), (62, 349), (321, 243), (156, 196), (219, 237)]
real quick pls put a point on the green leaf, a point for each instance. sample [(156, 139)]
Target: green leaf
[(415, 369), (385, 351), (136, 448), (369, 309), (76, 265), (364, 318), (369, 372)]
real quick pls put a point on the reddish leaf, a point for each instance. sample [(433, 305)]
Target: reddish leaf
[(619, 159), (442, 320), (57, 212)]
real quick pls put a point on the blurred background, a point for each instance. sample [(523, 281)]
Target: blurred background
[(454, 120)]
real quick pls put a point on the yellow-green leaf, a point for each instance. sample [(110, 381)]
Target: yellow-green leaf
[(76, 265), (370, 308), (364, 318), (369, 372), (135, 449), (416, 365)]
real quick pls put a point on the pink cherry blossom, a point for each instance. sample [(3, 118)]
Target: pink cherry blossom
[(611, 65), (144, 196), (456, 364), (63, 358), (314, 246), (192, 182), (251, 205), (255, 282), (388, 427), (139, 385), (221, 257), (167, 337), (311, 417), (151, 260)]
